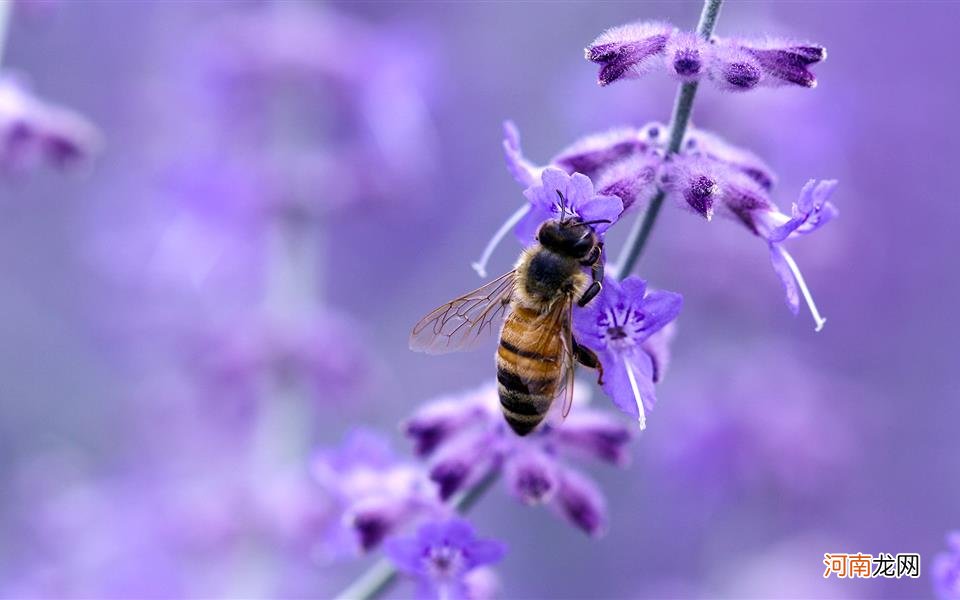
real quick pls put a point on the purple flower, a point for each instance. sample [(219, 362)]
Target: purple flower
[(378, 493), (441, 557), (560, 193), (687, 55), (746, 202), (946, 570), (556, 193), (475, 440), (631, 51), (617, 326), (628, 51), (785, 62), (33, 131), (746, 429)]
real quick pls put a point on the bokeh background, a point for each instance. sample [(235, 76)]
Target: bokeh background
[(154, 305)]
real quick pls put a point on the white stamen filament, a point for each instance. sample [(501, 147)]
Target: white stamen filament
[(481, 265), (818, 320), (636, 393)]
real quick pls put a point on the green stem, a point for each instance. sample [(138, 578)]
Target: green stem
[(382, 575), (682, 109)]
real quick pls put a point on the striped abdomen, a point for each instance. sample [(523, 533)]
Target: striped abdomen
[(529, 368)]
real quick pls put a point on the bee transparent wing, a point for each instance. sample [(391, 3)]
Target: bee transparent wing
[(461, 323), (569, 363)]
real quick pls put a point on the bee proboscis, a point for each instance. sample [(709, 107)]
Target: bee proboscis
[(531, 307)]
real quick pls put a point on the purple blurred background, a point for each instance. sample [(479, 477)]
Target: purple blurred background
[(140, 303)]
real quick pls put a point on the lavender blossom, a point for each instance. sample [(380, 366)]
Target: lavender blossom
[(746, 202), (946, 570), (378, 494), (33, 131), (556, 193), (617, 326), (442, 557), (464, 439), (579, 200), (630, 51)]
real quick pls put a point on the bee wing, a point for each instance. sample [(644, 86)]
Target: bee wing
[(569, 363), (460, 323)]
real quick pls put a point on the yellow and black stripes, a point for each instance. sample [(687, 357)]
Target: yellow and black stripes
[(528, 367)]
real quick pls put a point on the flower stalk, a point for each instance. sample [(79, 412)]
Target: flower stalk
[(6, 10), (679, 120), (382, 575)]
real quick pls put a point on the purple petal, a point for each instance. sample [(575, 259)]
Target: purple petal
[(484, 552), (692, 182), (811, 211), (580, 501), (629, 50), (632, 179), (601, 208), (590, 154), (657, 346), (733, 68), (531, 476), (435, 423), (687, 55), (617, 382), (596, 434), (660, 307), (406, 554), (786, 278), (705, 144), (787, 63), (526, 229), (522, 170)]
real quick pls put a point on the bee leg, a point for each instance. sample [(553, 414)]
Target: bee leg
[(588, 358), (596, 267)]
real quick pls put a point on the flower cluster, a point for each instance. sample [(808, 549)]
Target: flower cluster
[(708, 176), (630, 51), (464, 438), (34, 132)]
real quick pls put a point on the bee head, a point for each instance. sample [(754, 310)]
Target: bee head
[(569, 235)]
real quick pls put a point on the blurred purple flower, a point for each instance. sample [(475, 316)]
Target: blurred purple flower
[(235, 358), (630, 51), (441, 556), (946, 570), (465, 438), (617, 326), (33, 131), (368, 107), (746, 428), (378, 494)]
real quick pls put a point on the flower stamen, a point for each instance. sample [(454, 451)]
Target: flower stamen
[(636, 393), (481, 265), (807, 296)]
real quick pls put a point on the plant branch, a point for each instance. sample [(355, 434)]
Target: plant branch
[(382, 575), (682, 109)]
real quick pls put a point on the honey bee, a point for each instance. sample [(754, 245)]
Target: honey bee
[(531, 307)]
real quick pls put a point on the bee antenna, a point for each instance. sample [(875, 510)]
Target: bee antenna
[(597, 221), (563, 208)]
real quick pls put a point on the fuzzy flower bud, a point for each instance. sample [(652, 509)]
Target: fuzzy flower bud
[(628, 51)]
